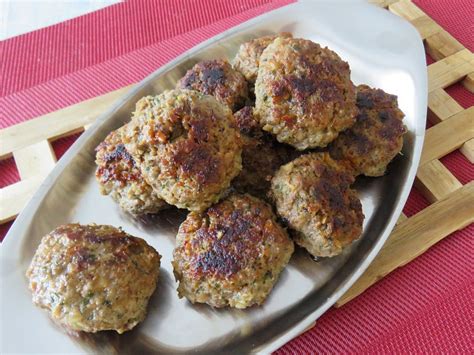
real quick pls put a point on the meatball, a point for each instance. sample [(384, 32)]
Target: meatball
[(261, 156), (119, 177), (232, 254), (376, 137), (92, 278), (304, 94), (247, 58), (217, 78), (186, 145), (313, 195)]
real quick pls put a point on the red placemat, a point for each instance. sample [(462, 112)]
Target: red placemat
[(424, 306)]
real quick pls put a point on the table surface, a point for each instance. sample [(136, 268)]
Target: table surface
[(423, 306)]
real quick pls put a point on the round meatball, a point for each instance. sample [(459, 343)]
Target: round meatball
[(232, 254), (217, 78), (261, 156), (313, 195), (304, 94), (376, 137), (186, 145), (92, 278), (247, 58), (119, 177)]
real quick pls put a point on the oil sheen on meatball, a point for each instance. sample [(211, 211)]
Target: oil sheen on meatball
[(217, 78), (232, 254), (247, 58), (313, 195), (304, 94), (186, 145), (118, 176), (376, 137), (93, 277)]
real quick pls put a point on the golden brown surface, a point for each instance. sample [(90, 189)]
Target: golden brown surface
[(376, 137), (217, 78), (92, 278), (313, 195), (232, 254), (187, 147), (119, 177), (304, 94), (247, 59)]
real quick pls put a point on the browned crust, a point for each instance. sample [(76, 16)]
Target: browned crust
[(261, 156), (313, 195), (114, 161), (123, 245), (248, 123), (247, 59), (229, 237), (376, 137), (120, 177), (93, 277), (187, 147), (304, 93), (217, 78)]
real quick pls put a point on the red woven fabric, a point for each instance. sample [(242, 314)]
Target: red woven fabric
[(424, 306)]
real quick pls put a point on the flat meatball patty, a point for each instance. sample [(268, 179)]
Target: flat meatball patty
[(313, 195), (186, 145), (247, 58), (232, 254), (119, 177), (217, 78), (376, 137), (304, 94), (93, 278), (261, 156)]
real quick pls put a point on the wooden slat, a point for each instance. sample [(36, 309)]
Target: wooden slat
[(450, 70), (467, 150), (448, 135), (414, 236), (426, 26), (406, 9), (55, 124), (423, 23), (402, 218), (435, 181), (442, 106), (468, 82), (442, 45), (36, 159), (14, 197)]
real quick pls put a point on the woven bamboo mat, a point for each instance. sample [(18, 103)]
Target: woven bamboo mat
[(452, 203)]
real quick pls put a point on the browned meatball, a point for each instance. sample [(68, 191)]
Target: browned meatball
[(119, 177), (247, 123), (92, 278), (261, 156), (376, 137), (313, 195), (232, 254), (217, 78), (304, 94), (247, 58), (186, 145)]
